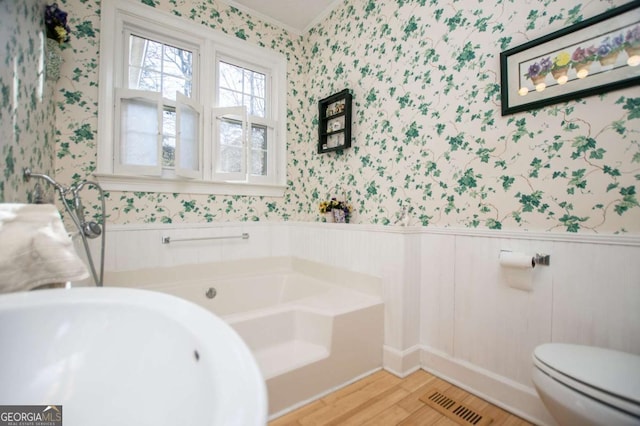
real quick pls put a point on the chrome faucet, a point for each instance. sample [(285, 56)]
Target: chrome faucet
[(86, 229)]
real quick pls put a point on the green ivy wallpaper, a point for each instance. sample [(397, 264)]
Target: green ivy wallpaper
[(428, 135), (27, 111)]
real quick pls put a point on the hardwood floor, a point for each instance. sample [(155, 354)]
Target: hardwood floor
[(384, 399)]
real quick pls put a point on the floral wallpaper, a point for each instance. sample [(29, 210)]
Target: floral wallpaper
[(428, 140), (27, 111)]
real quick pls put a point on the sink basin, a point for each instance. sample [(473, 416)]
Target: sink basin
[(126, 357)]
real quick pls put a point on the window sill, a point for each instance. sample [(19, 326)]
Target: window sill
[(186, 186)]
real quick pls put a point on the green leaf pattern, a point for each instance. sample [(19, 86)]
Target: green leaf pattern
[(428, 136), (27, 109)]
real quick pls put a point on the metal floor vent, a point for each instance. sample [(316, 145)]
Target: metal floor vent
[(454, 410)]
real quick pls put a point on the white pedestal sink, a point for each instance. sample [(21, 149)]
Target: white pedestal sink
[(126, 357)]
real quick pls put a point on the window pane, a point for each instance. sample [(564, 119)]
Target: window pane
[(159, 67), (168, 152), (230, 77), (258, 162), (171, 85), (177, 62), (229, 98), (240, 86), (144, 53), (258, 83), (168, 139), (189, 139), (258, 150), (231, 146), (258, 137), (144, 79), (252, 81), (231, 159), (139, 133), (257, 107), (230, 132)]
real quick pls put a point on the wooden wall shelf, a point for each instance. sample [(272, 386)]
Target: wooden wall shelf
[(334, 128)]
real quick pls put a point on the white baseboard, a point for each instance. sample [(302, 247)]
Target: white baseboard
[(401, 363), (500, 391)]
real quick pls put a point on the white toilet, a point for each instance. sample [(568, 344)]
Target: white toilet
[(584, 385)]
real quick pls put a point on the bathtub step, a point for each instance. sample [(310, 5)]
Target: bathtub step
[(287, 356)]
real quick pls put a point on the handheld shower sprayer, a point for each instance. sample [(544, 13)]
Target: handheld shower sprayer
[(76, 212), (89, 229)]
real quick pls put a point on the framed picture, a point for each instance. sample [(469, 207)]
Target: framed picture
[(591, 57)]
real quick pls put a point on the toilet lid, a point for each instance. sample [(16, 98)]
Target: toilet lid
[(607, 375)]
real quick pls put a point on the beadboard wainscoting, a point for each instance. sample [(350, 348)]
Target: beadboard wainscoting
[(448, 308)]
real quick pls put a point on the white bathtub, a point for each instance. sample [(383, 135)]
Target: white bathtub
[(312, 328)]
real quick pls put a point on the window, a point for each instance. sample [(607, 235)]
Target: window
[(161, 95), (244, 133), (186, 109)]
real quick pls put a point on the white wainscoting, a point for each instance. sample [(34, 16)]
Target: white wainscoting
[(479, 333), (448, 308)]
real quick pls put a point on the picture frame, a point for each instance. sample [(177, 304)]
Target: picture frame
[(594, 56)]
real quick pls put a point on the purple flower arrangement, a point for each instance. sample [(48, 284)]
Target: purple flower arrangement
[(633, 36), (539, 69), (55, 19), (611, 45), (582, 56)]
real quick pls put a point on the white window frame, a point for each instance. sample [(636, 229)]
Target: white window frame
[(241, 114), (182, 103), (117, 16)]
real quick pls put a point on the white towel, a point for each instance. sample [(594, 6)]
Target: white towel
[(35, 248)]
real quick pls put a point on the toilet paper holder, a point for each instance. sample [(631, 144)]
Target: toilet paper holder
[(537, 259), (542, 259)]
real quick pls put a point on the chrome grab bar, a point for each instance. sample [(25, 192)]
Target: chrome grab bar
[(168, 240)]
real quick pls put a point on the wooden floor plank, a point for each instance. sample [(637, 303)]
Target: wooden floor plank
[(378, 405), (350, 402), (423, 416), (416, 380), (386, 400), (353, 387), (445, 422), (391, 416), (291, 419)]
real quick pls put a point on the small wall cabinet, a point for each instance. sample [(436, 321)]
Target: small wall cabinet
[(334, 131)]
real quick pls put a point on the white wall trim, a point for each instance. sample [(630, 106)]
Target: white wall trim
[(401, 363), (567, 237), (610, 239), (514, 397), (111, 182), (173, 226)]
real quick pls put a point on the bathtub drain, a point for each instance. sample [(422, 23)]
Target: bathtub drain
[(211, 293)]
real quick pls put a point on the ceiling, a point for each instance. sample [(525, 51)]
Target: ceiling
[(294, 15)]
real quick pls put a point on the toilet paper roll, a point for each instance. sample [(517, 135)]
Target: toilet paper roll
[(518, 269)]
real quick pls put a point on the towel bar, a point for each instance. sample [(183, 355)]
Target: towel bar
[(168, 240)]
